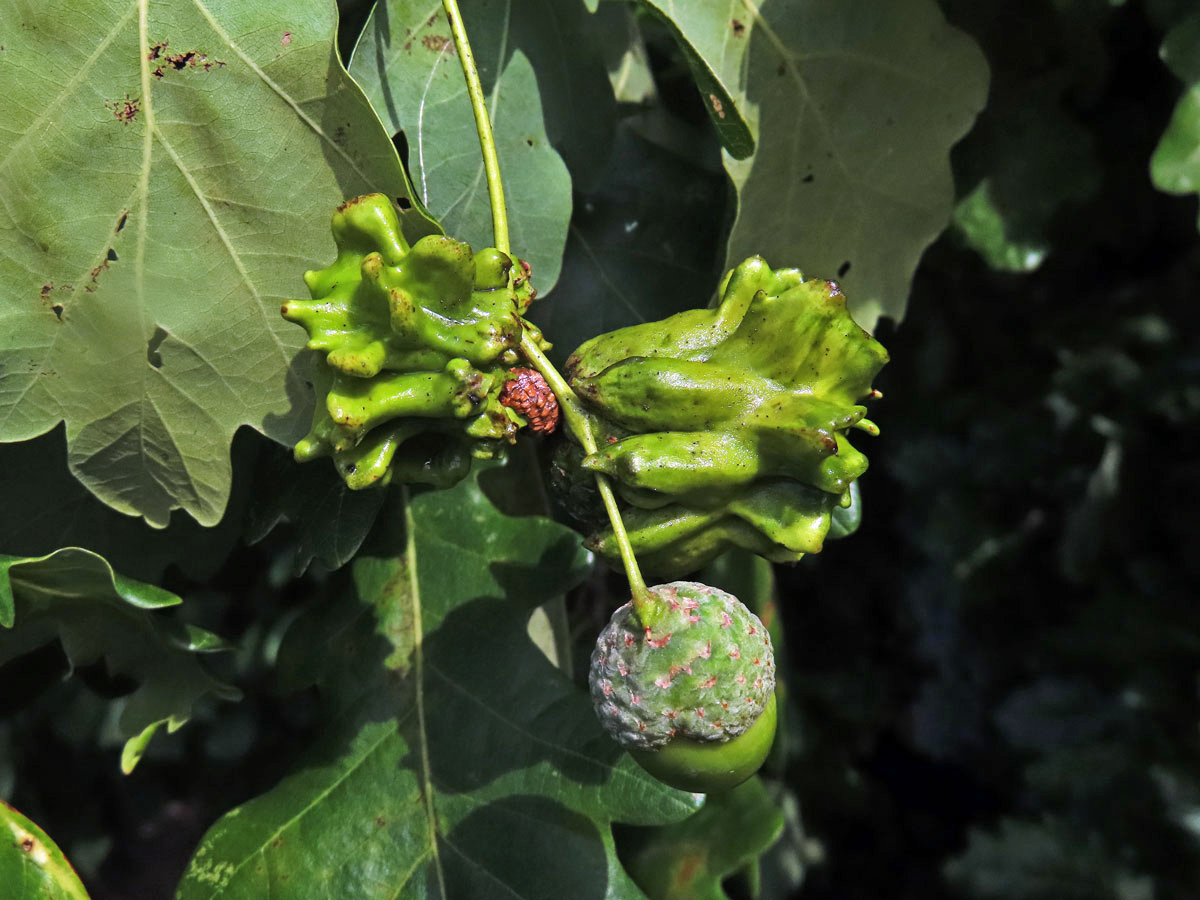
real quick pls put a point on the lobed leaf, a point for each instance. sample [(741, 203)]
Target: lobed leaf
[(714, 35), (75, 597), (406, 62), (857, 106), (448, 728), (151, 228), (691, 859)]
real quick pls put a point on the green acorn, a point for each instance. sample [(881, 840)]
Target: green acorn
[(693, 695), (418, 342)]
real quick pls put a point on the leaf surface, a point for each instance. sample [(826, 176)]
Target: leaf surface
[(74, 596), (331, 520), (645, 243), (458, 762), (168, 170), (714, 35), (689, 860), (1029, 154), (1175, 165), (857, 107), (45, 508), (407, 64), (31, 865)]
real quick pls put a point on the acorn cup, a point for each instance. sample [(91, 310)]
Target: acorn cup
[(418, 343), (729, 427)]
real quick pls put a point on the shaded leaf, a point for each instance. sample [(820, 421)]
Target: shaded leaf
[(624, 53), (31, 865), (1175, 165), (857, 107), (74, 596), (448, 729), (45, 508), (714, 35), (1029, 153), (406, 63), (331, 520), (689, 860), (152, 229), (645, 244)]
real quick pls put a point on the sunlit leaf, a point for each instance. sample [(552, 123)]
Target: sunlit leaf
[(857, 107), (169, 168), (407, 64), (31, 865), (713, 36)]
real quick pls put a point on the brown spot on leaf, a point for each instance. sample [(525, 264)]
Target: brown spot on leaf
[(718, 107), (739, 28), (286, 39), (27, 844), (437, 43), (46, 289), (189, 59), (125, 111)]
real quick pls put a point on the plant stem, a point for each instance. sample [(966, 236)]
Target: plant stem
[(579, 421), (483, 125), (577, 417)]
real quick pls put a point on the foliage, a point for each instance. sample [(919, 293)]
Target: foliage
[(988, 690)]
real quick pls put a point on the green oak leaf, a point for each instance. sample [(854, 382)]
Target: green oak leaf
[(330, 519), (645, 243), (75, 597), (1175, 165), (447, 728), (689, 860), (1029, 153), (406, 62), (713, 36), (857, 106), (31, 865), (152, 227), (45, 508), (624, 53)]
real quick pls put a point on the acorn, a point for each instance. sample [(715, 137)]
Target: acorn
[(692, 695)]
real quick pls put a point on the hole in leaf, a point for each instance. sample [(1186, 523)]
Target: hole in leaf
[(152, 355), (404, 203), (112, 255), (121, 221)]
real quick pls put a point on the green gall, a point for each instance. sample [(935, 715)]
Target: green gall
[(729, 427), (417, 341)]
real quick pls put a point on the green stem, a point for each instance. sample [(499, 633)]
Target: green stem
[(577, 417), (580, 423), (483, 125)]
